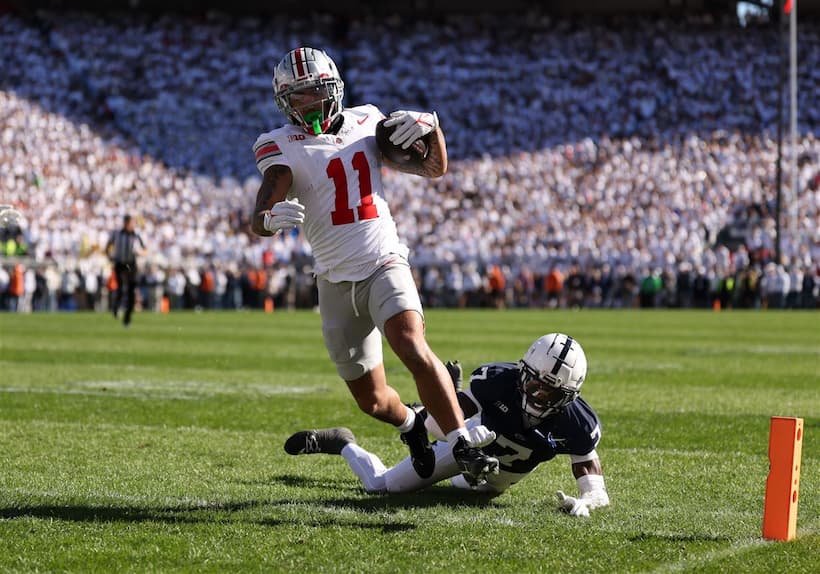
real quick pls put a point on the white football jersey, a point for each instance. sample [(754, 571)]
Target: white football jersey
[(337, 177)]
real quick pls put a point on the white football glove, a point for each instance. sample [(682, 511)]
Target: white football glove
[(573, 506), (480, 436), (410, 126), (284, 215)]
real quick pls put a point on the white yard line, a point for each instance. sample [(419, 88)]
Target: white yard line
[(86, 426), (119, 394), (180, 390)]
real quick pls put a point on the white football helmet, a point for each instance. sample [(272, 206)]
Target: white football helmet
[(552, 372), (312, 75)]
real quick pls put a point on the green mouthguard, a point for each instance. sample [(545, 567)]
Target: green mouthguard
[(315, 121)]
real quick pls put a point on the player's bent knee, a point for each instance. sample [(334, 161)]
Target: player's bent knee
[(413, 354), (412, 349), (371, 408), (373, 404)]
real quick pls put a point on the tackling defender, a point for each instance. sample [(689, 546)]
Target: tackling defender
[(323, 171), (524, 414)]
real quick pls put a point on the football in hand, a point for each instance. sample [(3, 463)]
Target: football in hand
[(413, 155)]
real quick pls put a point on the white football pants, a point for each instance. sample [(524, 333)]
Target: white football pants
[(376, 477)]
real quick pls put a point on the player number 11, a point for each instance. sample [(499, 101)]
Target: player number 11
[(343, 214)]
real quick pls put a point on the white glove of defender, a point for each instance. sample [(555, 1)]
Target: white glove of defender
[(410, 126), (284, 215), (480, 436), (572, 506)]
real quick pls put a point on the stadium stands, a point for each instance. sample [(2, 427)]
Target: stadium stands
[(626, 151)]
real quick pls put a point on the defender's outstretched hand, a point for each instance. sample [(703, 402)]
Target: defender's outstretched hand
[(480, 436), (572, 506)]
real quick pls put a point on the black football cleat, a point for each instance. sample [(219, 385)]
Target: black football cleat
[(474, 464), (324, 441), (456, 374), (421, 453)]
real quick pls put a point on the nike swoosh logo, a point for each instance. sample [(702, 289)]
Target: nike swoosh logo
[(361, 121)]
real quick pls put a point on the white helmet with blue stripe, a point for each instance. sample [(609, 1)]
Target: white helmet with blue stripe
[(552, 372)]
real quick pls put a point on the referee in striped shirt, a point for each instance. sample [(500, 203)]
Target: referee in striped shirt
[(122, 249)]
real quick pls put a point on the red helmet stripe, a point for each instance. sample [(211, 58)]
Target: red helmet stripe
[(300, 67)]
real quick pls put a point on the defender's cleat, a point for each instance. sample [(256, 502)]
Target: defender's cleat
[(421, 453), (326, 441), (474, 464), (456, 374)]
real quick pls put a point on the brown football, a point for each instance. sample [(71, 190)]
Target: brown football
[(415, 154)]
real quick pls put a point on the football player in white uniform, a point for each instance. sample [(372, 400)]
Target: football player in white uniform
[(524, 413), (323, 172)]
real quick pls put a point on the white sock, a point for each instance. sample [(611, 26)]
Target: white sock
[(409, 420), (453, 435)]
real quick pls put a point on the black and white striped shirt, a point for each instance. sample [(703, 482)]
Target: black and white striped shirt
[(124, 245)]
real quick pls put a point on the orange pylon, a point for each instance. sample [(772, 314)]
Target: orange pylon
[(783, 483)]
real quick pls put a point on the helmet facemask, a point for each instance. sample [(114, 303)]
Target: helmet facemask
[(541, 397)]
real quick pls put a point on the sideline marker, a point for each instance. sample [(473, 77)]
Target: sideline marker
[(783, 483), (268, 304)]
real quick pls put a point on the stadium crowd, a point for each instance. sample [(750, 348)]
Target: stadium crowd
[(638, 171)]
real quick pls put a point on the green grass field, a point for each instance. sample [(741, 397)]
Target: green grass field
[(159, 448)]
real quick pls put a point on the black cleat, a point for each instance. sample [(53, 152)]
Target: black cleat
[(421, 453), (474, 464), (454, 368), (325, 441)]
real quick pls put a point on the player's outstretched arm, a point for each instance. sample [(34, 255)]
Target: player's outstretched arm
[(590, 478)]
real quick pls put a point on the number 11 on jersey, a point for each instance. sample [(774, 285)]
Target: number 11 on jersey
[(343, 214)]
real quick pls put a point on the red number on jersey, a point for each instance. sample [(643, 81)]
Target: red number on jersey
[(336, 171)]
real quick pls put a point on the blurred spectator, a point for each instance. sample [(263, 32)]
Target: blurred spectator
[(553, 287), (497, 284), (638, 159)]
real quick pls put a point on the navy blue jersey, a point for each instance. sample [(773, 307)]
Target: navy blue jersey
[(575, 430)]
